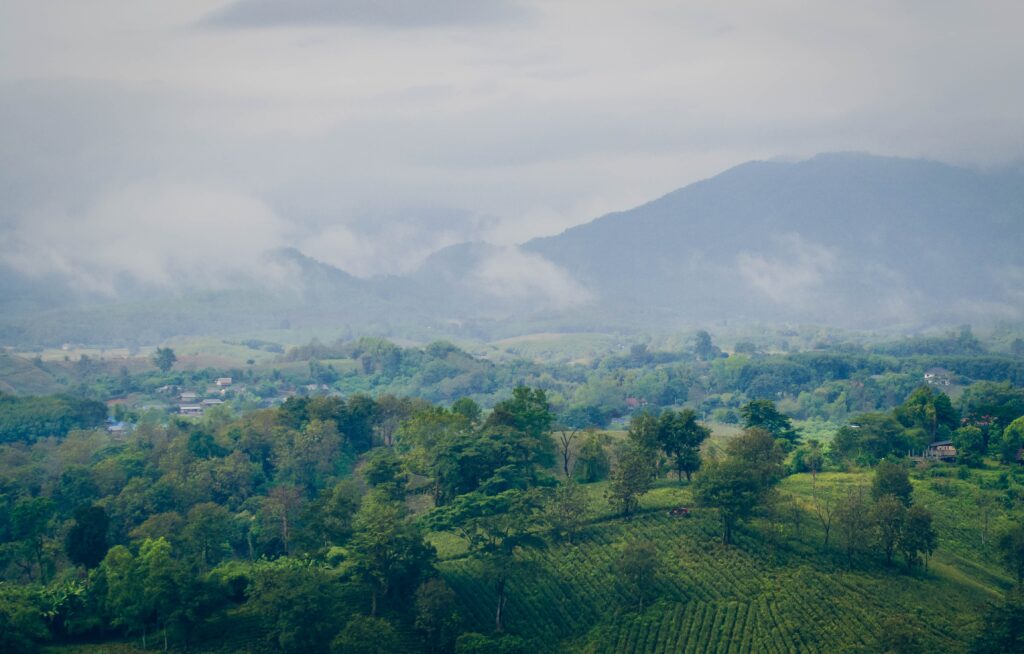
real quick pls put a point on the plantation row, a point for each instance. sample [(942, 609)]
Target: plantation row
[(707, 598)]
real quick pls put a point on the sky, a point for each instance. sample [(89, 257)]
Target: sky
[(180, 140)]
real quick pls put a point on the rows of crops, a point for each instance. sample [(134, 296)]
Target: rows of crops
[(708, 598)]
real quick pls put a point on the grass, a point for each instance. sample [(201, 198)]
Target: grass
[(762, 595)]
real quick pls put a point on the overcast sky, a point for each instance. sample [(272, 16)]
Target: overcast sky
[(186, 135)]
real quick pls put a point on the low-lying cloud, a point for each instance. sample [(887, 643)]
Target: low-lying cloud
[(510, 273), (152, 233), (788, 277)]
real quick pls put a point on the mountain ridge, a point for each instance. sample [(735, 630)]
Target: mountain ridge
[(846, 239)]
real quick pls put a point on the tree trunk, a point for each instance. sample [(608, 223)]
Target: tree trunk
[(284, 528), (373, 603), (499, 624)]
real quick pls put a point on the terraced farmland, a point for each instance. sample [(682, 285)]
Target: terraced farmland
[(754, 597)]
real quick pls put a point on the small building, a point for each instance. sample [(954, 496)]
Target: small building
[(938, 377), (223, 381), (211, 402), (190, 410), (941, 451), (188, 396)]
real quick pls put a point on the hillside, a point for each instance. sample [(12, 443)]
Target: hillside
[(841, 238), (764, 595), (848, 240)]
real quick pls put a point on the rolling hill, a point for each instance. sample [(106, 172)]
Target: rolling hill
[(849, 240)]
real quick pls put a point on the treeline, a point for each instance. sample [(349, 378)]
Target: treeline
[(311, 520), (989, 424), (26, 419)]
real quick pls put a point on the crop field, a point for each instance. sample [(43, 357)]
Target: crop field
[(757, 596)]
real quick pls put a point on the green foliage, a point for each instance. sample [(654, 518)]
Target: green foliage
[(632, 476), (300, 603), (22, 629), (437, 619), (680, 437), (387, 551), (164, 359), (888, 516), (728, 487), (852, 518), (592, 460), (565, 509), (31, 418), (366, 635), (868, 438), (636, 567), (1003, 627), (762, 414), (891, 479), (918, 537), (86, 541), (969, 442), (474, 643), (929, 412), (1012, 441), (1011, 550)]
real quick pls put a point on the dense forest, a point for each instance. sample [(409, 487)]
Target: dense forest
[(384, 506)]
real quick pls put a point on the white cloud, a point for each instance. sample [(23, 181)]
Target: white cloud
[(584, 108), (788, 279), (161, 234), (513, 274)]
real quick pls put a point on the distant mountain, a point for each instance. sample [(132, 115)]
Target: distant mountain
[(849, 240), (844, 239)]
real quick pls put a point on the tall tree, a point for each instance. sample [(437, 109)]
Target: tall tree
[(592, 461), (497, 528), (31, 523), (124, 602), (566, 437), (164, 359), (1011, 550), (299, 602), (366, 635), (436, 617), (207, 532), (888, 516), (918, 539), (762, 414), (387, 550), (891, 478), (632, 476), (86, 541), (704, 348), (729, 486), (1002, 629), (636, 568), (929, 411), (853, 522), (565, 509), (680, 436)]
